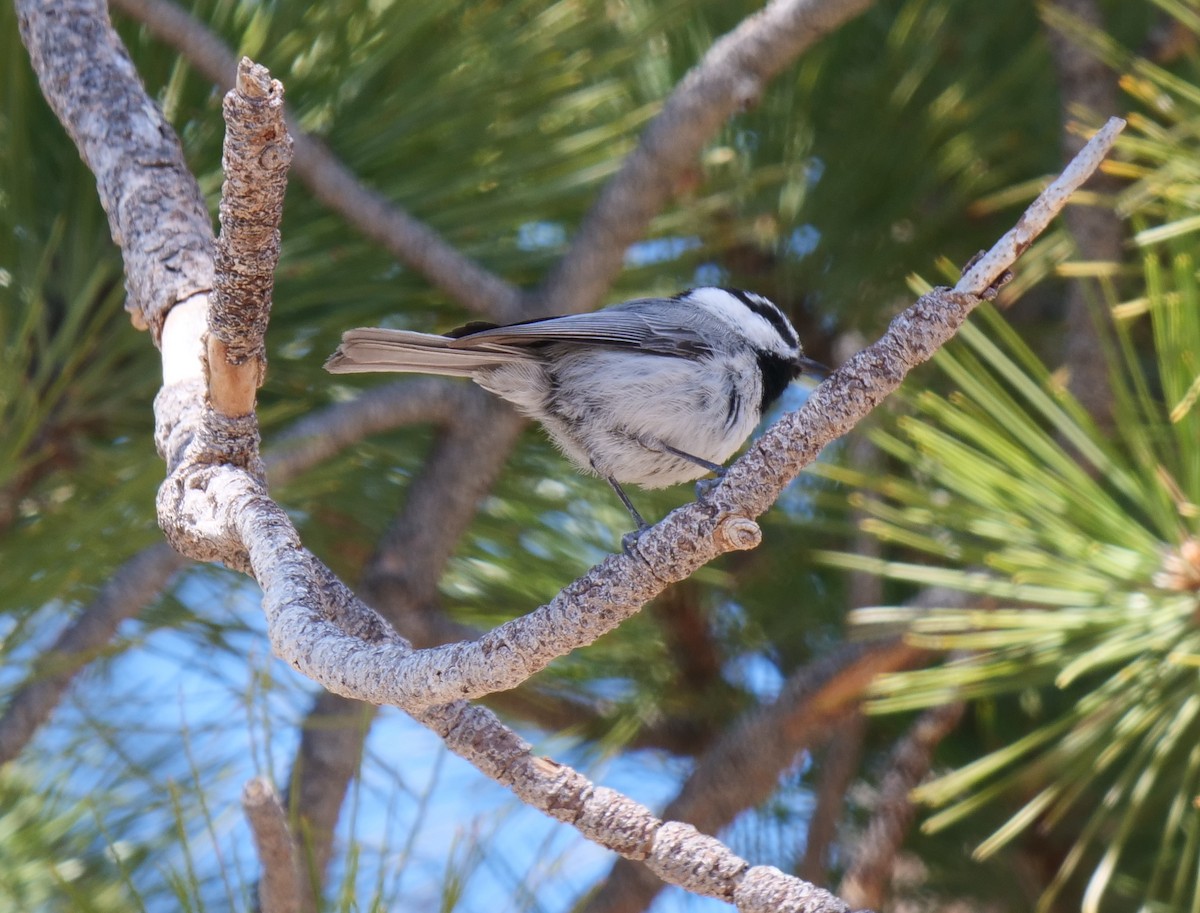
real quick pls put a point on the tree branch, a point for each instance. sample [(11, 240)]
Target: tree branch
[(144, 577), (1088, 86), (401, 583), (155, 210), (866, 882), (333, 184), (279, 889), (730, 78), (675, 852), (215, 506), (742, 768), (839, 766), (257, 153), (132, 586)]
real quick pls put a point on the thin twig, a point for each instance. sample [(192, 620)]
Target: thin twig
[(675, 852), (401, 582), (133, 585)]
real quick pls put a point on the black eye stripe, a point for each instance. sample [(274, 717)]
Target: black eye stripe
[(768, 312)]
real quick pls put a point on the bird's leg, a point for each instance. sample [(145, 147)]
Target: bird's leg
[(629, 539), (704, 486)]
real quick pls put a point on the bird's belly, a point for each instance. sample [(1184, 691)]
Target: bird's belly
[(630, 417)]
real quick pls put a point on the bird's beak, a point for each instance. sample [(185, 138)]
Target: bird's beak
[(805, 365)]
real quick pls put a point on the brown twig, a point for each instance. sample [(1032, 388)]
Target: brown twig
[(279, 888), (838, 768), (1087, 86)]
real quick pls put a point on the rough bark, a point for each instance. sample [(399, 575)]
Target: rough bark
[(155, 211), (742, 768)]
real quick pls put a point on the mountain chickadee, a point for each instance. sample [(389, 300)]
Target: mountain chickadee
[(654, 391)]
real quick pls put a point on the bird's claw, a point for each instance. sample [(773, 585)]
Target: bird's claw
[(705, 487), (629, 541)]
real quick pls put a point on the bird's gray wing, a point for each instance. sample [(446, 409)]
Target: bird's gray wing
[(659, 332)]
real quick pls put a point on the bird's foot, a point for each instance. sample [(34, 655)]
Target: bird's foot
[(705, 487)]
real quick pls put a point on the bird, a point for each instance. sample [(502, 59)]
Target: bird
[(651, 392)]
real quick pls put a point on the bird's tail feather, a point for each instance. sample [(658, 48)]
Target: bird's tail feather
[(378, 349)]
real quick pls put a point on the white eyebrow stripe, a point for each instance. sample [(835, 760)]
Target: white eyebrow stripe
[(767, 329)]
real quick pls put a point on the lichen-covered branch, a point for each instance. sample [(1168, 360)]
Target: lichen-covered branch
[(155, 210), (257, 154)]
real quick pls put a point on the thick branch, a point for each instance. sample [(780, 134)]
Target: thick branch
[(155, 211), (331, 182), (730, 78)]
